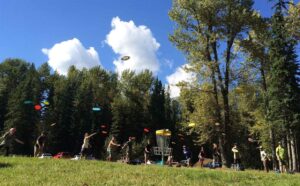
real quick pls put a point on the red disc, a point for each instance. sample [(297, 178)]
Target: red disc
[(37, 107)]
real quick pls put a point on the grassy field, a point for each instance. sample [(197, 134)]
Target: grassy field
[(31, 171)]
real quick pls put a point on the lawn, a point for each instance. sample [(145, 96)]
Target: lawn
[(32, 171)]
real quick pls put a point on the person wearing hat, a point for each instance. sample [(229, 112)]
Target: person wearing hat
[(280, 155), (8, 139), (264, 158)]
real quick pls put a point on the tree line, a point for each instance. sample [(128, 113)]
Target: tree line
[(93, 100), (247, 85)]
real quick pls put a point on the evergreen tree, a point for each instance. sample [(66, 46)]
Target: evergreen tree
[(283, 91)]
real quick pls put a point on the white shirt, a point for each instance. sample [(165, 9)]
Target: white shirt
[(263, 155)]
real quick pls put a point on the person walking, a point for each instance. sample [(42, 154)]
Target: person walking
[(8, 139), (40, 144)]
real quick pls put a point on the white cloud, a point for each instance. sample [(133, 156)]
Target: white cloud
[(71, 52), (127, 39), (179, 75)]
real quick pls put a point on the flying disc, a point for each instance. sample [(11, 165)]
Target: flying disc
[(37, 107), (125, 58), (96, 109)]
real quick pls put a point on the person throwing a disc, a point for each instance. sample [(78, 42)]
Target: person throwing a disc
[(8, 139), (85, 148)]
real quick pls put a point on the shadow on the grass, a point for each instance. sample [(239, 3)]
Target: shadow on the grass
[(5, 165)]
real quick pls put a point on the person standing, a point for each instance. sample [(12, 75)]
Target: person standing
[(8, 139), (147, 151), (280, 155), (236, 156), (40, 144), (111, 143), (201, 156), (216, 154), (264, 158), (128, 147), (187, 154), (85, 148)]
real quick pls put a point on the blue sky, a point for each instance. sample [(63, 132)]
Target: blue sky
[(28, 26)]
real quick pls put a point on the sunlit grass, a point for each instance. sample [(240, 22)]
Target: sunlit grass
[(31, 171)]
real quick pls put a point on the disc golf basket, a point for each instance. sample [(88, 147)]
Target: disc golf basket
[(163, 140)]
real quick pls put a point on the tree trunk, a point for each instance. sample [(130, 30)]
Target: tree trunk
[(289, 152), (275, 165), (266, 106), (297, 154), (293, 151)]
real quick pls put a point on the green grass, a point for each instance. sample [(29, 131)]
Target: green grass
[(31, 171)]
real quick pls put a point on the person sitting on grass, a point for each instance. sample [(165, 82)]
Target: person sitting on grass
[(111, 143), (85, 148), (8, 139), (40, 144)]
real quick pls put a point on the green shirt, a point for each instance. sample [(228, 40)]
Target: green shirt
[(280, 152)]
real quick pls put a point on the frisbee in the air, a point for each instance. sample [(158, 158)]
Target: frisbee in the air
[(103, 126), (37, 107), (96, 109), (27, 102), (146, 130), (192, 124), (53, 124), (46, 102), (125, 58)]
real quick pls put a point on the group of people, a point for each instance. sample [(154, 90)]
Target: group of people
[(127, 146), (10, 136)]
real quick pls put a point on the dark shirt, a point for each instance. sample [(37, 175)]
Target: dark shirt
[(128, 146), (148, 148), (41, 140), (8, 139), (187, 153)]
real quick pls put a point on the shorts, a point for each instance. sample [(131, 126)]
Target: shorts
[(85, 151), (108, 151), (282, 162)]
